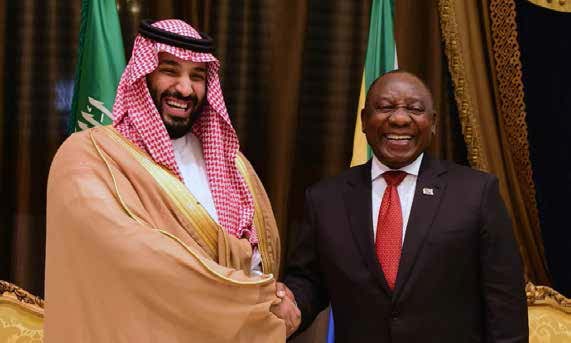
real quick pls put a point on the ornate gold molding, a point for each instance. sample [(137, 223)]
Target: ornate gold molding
[(543, 295), (555, 5), (9, 290), (453, 49), (511, 105)]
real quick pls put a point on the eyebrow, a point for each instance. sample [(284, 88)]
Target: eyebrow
[(176, 64), (408, 98), (169, 62)]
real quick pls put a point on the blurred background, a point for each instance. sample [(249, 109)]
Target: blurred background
[(291, 75)]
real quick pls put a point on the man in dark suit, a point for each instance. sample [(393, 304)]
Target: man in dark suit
[(408, 248)]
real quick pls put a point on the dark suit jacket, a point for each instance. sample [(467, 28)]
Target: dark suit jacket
[(460, 276)]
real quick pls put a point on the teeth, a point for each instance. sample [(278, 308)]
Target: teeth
[(177, 104), (397, 137)]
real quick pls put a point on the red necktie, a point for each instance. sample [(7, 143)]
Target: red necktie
[(388, 243)]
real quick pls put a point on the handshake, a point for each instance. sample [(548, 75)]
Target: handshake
[(287, 308)]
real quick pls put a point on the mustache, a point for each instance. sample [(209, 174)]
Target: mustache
[(177, 95)]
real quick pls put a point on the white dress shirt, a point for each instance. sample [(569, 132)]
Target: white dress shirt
[(190, 160), (405, 189)]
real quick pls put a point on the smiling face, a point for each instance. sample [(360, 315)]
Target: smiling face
[(398, 119), (178, 89)]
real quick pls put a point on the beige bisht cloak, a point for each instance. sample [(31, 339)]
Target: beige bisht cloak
[(132, 257)]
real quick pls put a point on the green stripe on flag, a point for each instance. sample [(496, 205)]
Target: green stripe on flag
[(100, 63), (380, 58), (381, 45)]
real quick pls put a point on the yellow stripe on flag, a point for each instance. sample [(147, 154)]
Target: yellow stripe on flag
[(360, 154)]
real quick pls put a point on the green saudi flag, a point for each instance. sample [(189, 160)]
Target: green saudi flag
[(101, 60), (381, 57)]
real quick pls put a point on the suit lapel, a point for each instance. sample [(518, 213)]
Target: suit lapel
[(430, 188), (357, 197)]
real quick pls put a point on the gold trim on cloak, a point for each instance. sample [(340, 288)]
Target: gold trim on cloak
[(259, 222), (204, 225)]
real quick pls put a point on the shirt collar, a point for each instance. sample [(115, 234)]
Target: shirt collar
[(179, 144), (378, 168)]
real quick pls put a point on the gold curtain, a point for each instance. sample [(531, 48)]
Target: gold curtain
[(37, 82), (4, 231), (419, 50), (480, 40), (286, 54), (131, 12), (196, 12), (2, 113)]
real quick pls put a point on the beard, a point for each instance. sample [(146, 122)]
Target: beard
[(176, 126)]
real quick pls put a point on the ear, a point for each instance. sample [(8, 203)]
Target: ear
[(434, 123), (363, 119)]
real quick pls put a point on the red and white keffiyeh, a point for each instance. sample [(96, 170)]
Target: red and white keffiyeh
[(137, 118)]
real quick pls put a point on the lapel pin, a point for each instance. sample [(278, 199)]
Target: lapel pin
[(428, 191)]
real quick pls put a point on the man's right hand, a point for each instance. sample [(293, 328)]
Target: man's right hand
[(287, 308)]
